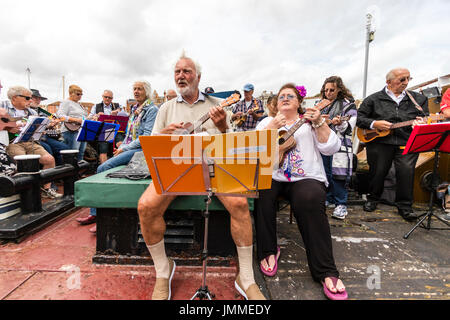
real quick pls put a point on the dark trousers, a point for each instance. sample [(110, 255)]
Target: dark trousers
[(307, 199), (380, 157)]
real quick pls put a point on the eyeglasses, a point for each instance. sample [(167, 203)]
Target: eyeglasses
[(289, 97), (25, 97), (330, 90), (78, 94), (106, 97), (405, 79)]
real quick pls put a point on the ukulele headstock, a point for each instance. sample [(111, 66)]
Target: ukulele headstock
[(230, 100)]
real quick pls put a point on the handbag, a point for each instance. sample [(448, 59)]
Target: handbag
[(135, 170)]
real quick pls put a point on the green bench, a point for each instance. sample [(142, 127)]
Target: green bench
[(119, 239)]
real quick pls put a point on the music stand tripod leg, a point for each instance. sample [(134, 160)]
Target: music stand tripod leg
[(430, 212), (203, 292), (428, 215)]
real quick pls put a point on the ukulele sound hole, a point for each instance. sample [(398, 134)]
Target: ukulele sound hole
[(281, 141)]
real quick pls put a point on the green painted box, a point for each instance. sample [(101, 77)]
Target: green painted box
[(98, 191)]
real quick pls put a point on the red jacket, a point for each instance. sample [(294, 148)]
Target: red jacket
[(445, 103)]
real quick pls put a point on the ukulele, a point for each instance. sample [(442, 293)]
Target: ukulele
[(8, 122), (189, 128), (342, 118), (239, 121), (367, 135), (286, 141), (71, 125), (69, 122)]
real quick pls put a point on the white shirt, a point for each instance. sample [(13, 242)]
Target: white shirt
[(107, 109), (394, 97), (306, 159)]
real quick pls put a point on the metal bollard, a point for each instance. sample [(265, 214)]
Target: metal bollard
[(30, 198)]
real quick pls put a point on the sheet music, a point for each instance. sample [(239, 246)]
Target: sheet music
[(33, 130), (4, 138), (79, 131)]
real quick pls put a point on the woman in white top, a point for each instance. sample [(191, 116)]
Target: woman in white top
[(73, 114), (302, 180)]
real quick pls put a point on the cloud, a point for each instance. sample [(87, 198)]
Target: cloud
[(111, 43)]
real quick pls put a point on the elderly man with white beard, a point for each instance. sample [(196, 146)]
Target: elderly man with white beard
[(189, 106)]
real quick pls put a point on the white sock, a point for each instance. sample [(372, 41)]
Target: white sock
[(245, 256), (158, 253)]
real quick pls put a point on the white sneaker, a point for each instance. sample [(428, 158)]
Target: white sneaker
[(340, 212), (51, 193)]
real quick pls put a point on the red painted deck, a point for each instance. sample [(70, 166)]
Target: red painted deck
[(56, 264)]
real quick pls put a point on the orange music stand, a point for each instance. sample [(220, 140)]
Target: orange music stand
[(234, 164), (241, 163)]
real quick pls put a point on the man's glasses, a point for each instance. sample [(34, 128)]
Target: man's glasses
[(405, 79), (25, 97), (106, 97), (289, 97)]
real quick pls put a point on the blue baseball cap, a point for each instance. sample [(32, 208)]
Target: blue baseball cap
[(249, 87)]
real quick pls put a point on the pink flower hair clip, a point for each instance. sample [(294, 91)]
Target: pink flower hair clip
[(301, 90)]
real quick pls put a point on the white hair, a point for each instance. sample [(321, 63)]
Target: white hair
[(17, 91), (198, 67), (391, 74), (147, 88)]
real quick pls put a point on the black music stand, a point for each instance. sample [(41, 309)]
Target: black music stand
[(424, 138), (97, 131)]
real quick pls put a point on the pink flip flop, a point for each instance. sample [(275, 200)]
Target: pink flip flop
[(334, 295), (275, 268)]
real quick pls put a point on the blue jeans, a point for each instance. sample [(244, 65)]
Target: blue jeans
[(337, 193), (70, 138), (53, 147), (120, 160)]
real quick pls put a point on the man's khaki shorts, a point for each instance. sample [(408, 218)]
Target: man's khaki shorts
[(23, 148)]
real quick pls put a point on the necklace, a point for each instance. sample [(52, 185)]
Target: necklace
[(290, 122)]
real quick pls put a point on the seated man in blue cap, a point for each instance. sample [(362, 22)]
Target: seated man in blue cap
[(247, 112)]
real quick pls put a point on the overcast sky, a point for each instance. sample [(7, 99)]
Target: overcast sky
[(99, 44)]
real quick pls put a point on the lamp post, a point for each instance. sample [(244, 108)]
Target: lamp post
[(29, 75), (369, 38)]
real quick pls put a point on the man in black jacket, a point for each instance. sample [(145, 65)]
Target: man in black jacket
[(106, 107), (380, 111)]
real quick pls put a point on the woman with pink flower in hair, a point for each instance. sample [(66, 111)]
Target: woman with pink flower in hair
[(301, 179)]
